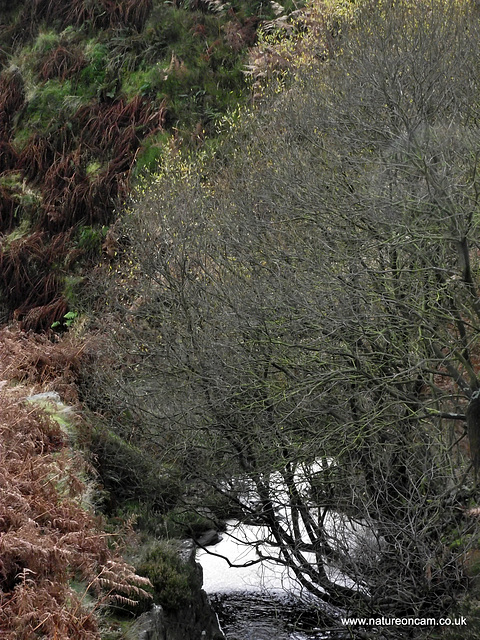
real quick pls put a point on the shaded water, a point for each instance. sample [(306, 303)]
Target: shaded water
[(257, 616)]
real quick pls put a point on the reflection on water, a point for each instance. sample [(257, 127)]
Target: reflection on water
[(249, 616)]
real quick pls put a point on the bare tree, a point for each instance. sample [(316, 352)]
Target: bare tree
[(301, 323)]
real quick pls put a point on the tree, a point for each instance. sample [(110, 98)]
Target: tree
[(300, 321)]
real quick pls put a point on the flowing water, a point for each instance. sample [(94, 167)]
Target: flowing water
[(263, 616), (259, 600)]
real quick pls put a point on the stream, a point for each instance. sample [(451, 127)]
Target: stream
[(262, 601)]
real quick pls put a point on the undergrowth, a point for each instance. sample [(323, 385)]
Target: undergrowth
[(51, 541)]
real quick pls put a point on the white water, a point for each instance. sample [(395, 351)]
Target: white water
[(238, 546), (260, 599)]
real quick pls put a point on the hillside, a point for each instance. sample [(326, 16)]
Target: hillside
[(59, 566), (93, 94)]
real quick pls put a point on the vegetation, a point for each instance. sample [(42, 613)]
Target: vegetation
[(88, 91), (174, 581), (57, 566), (282, 327), (298, 317)]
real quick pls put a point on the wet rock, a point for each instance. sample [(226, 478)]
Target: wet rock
[(208, 538)]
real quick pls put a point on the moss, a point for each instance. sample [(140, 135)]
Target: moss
[(45, 41), (11, 180), (53, 101), (93, 168), (143, 82), (59, 412), (114, 626), (95, 72), (130, 475), (27, 200), (21, 138), (70, 289), (21, 231)]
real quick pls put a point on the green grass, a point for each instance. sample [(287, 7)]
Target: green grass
[(50, 103)]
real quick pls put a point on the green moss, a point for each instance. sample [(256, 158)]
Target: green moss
[(21, 231), (45, 41), (21, 138), (27, 198), (95, 72), (114, 627), (11, 180), (131, 475), (92, 169), (49, 103), (143, 82)]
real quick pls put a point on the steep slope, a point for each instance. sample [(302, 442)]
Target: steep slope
[(58, 565), (89, 93)]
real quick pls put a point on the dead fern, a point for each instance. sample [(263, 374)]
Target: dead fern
[(8, 156), (12, 96), (106, 126), (26, 272), (101, 14), (47, 536), (36, 360), (36, 157), (8, 207), (41, 319)]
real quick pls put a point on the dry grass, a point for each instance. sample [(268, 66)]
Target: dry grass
[(103, 14)]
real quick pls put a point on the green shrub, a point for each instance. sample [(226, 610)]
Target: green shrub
[(173, 580)]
